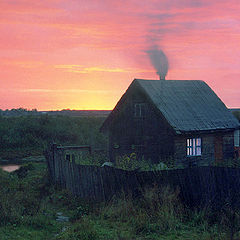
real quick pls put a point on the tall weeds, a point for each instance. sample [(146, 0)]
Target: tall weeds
[(158, 210)]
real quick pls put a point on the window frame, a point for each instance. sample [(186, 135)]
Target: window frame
[(194, 147), (139, 109)]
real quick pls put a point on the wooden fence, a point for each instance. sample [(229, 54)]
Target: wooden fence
[(199, 186)]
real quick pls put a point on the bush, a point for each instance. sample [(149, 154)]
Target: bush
[(131, 162), (81, 211), (23, 170)]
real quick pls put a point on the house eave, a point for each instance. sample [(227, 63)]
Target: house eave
[(204, 131)]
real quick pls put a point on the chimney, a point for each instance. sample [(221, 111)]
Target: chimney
[(161, 76)]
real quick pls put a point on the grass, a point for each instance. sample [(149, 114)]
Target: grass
[(29, 205)]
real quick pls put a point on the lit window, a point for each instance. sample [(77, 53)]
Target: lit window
[(194, 147), (139, 109)]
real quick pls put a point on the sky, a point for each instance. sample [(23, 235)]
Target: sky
[(83, 54)]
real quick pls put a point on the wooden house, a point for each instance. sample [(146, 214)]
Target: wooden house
[(182, 121)]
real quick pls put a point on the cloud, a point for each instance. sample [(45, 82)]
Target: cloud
[(21, 64), (61, 91), (82, 69)]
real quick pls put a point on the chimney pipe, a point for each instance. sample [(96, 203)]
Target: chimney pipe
[(161, 76)]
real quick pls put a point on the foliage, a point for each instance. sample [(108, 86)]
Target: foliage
[(30, 135), (131, 162), (18, 112), (21, 195), (29, 204), (26, 200), (230, 220), (95, 159)]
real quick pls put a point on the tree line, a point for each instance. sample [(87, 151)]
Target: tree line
[(31, 134)]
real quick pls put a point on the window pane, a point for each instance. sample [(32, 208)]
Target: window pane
[(189, 142), (198, 151), (194, 146), (198, 143), (139, 109), (188, 151)]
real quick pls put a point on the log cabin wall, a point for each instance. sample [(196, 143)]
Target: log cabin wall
[(228, 145), (207, 151), (147, 133), (216, 147)]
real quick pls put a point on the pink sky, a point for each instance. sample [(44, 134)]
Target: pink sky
[(83, 54)]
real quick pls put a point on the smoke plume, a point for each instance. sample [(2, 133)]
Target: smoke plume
[(159, 61)]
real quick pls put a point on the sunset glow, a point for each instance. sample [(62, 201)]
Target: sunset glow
[(58, 54)]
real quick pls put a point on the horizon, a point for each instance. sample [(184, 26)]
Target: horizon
[(58, 55), (38, 110)]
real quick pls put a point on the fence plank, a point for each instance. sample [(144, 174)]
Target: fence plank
[(198, 186)]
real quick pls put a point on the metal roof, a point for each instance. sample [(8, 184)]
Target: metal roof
[(188, 105)]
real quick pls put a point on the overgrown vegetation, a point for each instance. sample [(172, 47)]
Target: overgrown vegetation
[(23, 203), (29, 135), (131, 162), (29, 206)]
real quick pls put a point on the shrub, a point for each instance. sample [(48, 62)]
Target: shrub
[(23, 170), (131, 162), (80, 211)]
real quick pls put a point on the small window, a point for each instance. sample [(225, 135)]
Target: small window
[(139, 109), (194, 147)]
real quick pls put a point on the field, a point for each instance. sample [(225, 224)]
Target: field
[(30, 135), (30, 205)]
